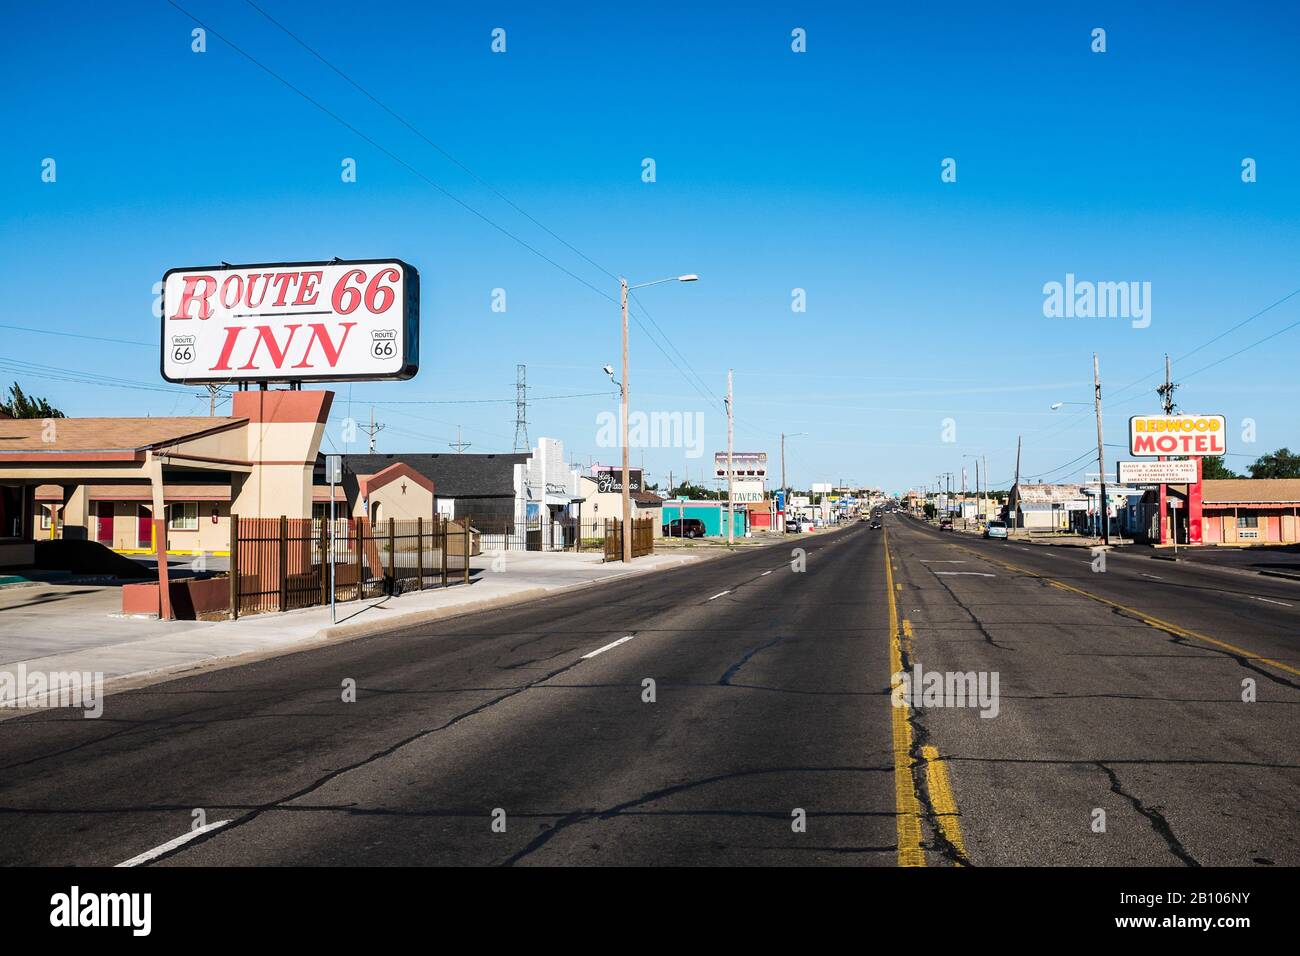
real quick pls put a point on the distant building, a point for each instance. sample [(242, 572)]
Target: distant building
[(1045, 507)]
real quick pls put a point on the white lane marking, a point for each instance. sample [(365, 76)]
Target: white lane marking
[(609, 646), (977, 574), (1155, 576), (173, 844), (938, 561), (765, 574), (718, 595), (1270, 601)]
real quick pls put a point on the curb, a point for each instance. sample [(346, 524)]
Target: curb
[(342, 633)]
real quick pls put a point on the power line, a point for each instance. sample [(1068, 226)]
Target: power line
[(397, 159), (485, 401), (393, 113), (391, 155), (78, 335)]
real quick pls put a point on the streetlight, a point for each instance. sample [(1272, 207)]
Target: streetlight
[(624, 289)]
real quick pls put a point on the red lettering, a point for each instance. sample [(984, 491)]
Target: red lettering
[(248, 291), (190, 294), (379, 298), (343, 292), (238, 281), (307, 287), (283, 280), (223, 361), (326, 344), (265, 334), (1144, 445)]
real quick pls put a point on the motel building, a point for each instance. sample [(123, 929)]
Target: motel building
[(148, 485), (1250, 511)]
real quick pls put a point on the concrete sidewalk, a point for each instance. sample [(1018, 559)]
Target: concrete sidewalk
[(60, 629)]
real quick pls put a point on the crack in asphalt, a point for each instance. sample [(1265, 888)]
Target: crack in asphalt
[(388, 751), (979, 625), (1194, 645), (920, 737), (725, 679), (583, 816), (1158, 822)]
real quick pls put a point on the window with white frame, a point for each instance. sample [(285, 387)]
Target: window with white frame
[(1247, 521), (183, 516)]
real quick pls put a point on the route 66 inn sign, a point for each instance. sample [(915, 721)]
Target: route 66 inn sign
[(343, 320)]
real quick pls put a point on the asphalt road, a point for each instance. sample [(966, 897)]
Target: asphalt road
[(498, 738)]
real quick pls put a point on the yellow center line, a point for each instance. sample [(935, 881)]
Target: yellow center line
[(942, 800), (907, 808), (1146, 618)]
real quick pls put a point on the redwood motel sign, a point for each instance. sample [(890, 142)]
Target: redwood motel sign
[(1194, 435), (342, 320)]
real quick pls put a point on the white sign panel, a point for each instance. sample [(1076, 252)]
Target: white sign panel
[(294, 321), (822, 488), (747, 491), (1180, 472), (1195, 435)]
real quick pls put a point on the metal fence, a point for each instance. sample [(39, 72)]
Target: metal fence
[(278, 564), (505, 533), (643, 538)]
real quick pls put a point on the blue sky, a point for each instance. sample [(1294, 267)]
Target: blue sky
[(775, 171)]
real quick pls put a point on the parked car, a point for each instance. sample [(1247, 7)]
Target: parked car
[(995, 529), (945, 524), (684, 528)]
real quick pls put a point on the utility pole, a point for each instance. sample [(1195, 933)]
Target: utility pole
[(731, 501), (1016, 518), (459, 445), (987, 513), (373, 430), (521, 408), (785, 492), (627, 477), (213, 392), (1166, 391), (1101, 452)]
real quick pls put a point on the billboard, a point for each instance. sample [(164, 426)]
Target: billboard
[(343, 320), (746, 464), (1180, 472), (1195, 435)]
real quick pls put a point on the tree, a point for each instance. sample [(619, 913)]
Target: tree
[(21, 405), (1283, 463), (692, 492), (1213, 468)]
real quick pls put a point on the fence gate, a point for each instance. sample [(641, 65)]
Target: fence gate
[(279, 564), (643, 538)]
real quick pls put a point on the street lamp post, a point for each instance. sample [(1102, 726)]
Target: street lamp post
[(624, 289), (784, 488)]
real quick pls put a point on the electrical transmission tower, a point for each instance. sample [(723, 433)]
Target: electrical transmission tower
[(521, 408)]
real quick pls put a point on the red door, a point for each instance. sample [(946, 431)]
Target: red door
[(104, 533), (143, 527)]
